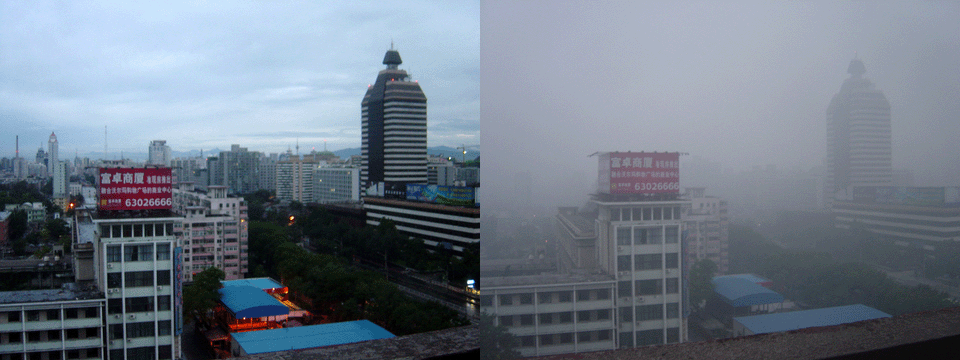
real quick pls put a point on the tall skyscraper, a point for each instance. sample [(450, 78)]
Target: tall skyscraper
[(52, 153), (394, 125), (859, 149)]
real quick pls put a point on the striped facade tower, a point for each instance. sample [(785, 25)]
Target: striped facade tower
[(394, 125), (859, 145)]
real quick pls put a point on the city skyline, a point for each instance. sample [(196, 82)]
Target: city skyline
[(203, 76)]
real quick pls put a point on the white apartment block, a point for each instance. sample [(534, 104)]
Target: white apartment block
[(214, 231), (52, 324), (132, 261), (294, 180), (706, 227), (336, 185), (554, 314)]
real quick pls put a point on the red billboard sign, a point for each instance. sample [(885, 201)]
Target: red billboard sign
[(135, 189), (639, 173)]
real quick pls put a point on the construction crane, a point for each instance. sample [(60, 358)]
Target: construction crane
[(464, 149)]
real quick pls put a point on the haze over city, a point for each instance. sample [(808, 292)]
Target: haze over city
[(739, 85), (211, 74)]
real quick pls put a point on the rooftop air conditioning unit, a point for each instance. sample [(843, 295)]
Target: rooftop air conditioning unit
[(109, 266), (159, 287), (129, 341), (640, 299), (132, 316), (117, 316)]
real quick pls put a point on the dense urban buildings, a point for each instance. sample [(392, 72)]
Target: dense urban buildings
[(214, 230), (705, 229), (859, 146), (236, 169), (453, 227), (294, 179), (621, 255), (336, 184), (394, 128)]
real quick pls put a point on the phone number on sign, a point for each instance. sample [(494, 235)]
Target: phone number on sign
[(656, 186), (148, 202)]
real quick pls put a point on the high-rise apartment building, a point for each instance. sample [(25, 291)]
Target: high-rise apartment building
[(705, 229), (159, 153), (394, 127), (236, 169), (336, 185), (53, 153), (294, 179), (859, 146), (214, 230)]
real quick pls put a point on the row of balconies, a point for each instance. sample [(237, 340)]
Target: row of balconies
[(49, 325), (51, 345), (554, 307), (561, 328)]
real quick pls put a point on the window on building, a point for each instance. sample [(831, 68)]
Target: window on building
[(92, 313), (650, 312), (673, 335), (148, 230), (116, 354), (506, 300), (623, 263), (526, 299), (655, 235), (672, 260), (603, 314), (603, 294), (115, 306), (623, 235), (673, 285), (163, 277), (626, 339), (71, 313), (583, 295), (13, 316), (624, 289), (139, 329), (113, 280), (105, 231), (486, 300), (15, 337), (640, 236), (650, 337), (169, 229), (585, 336), (546, 340), (127, 230), (584, 316), (138, 279), (163, 302), (637, 214), (566, 338), (138, 230), (146, 352), (566, 317), (672, 235), (505, 320), (33, 315), (163, 251), (667, 214), (526, 320), (528, 341), (673, 310), (603, 335), (546, 319), (140, 304), (113, 253), (34, 336), (614, 214), (649, 287), (545, 297), (565, 296), (648, 262), (657, 213), (163, 328), (626, 314), (53, 335)]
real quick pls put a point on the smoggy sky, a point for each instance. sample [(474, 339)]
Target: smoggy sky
[(205, 74), (738, 83)]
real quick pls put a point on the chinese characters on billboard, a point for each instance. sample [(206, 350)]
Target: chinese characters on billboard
[(135, 189), (639, 173)]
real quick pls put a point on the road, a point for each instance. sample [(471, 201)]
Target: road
[(426, 288)]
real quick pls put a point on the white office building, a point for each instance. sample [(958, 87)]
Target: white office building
[(52, 324), (336, 185)]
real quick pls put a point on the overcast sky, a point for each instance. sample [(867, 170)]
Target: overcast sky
[(739, 83), (205, 74)]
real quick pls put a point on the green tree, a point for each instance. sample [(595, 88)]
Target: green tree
[(495, 342), (18, 224), (201, 296), (57, 229), (701, 287)]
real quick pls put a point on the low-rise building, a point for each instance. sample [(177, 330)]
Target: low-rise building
[(65, 323)]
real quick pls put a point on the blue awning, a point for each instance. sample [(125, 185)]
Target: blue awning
[(251, 302)]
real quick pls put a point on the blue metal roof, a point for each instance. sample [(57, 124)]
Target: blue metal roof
[(305, 337), (263, 283), (751, 277), (738, 292), (251, 302), (762, 324)]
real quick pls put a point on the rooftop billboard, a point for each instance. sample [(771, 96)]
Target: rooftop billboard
[(440, 194), (639, 173), (135, 188)]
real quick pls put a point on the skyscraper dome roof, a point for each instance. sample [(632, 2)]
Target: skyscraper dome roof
[(392, 58), (856, 68)]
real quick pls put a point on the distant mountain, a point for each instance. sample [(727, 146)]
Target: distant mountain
[(444, 151)]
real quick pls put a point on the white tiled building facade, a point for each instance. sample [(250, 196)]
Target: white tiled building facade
[(215, 231)]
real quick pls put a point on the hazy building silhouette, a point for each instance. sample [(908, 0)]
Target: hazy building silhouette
[(859, 150), (394, 125), (52, 153)]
